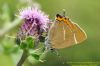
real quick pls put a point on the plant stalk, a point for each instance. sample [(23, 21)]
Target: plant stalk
[(23, 58)]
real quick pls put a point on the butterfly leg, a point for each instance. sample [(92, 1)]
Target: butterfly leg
[(47, 44)]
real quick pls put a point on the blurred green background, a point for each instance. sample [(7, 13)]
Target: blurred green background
[(84, 12)]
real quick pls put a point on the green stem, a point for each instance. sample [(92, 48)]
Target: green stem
[(23, 58)]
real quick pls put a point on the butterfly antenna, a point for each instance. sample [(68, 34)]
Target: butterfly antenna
[(64, 12)]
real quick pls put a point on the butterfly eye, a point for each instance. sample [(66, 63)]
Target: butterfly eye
[(58, 16)]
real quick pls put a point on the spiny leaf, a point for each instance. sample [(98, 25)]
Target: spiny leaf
[(30, 42), (36, 56), (23, 45)]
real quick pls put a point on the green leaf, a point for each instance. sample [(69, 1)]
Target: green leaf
[(30, 42), (36, 56), (23, 45)]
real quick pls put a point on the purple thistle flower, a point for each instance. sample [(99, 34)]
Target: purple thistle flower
[(35, 22)]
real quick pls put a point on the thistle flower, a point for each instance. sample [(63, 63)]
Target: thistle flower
[(35, 22)]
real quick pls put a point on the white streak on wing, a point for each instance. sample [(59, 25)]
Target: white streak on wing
[(64, 32), (64, 35), (75, 39)]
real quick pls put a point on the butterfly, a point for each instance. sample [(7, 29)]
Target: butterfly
[(65, 33)]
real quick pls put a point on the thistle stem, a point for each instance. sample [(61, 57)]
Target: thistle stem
[(23, 58)]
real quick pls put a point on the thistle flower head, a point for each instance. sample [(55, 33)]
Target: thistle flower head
[(35, 21)]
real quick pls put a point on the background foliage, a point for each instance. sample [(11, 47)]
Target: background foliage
[(84, 12)]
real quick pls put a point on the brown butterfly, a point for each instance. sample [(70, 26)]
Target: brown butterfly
[(64, 33)]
